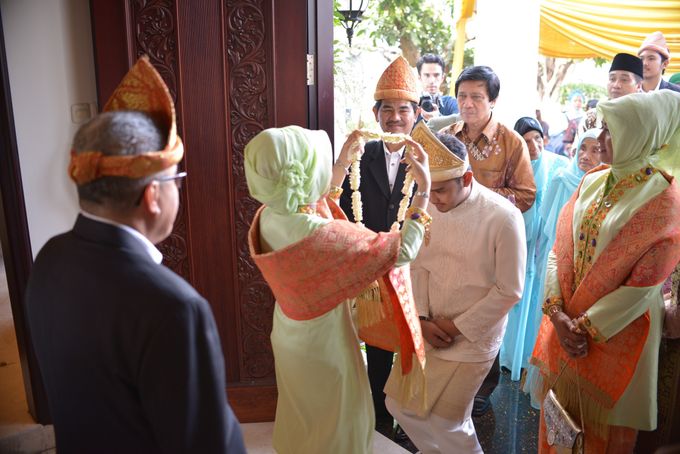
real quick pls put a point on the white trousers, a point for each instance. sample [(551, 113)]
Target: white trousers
[(434, 434)]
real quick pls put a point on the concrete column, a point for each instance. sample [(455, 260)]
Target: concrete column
[(507, 41)]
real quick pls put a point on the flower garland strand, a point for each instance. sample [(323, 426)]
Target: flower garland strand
[(355, 177), (406, 189), (355, 181)]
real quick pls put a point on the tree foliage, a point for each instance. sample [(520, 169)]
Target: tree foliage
[(551, 73), (589, 91), (417, 26)]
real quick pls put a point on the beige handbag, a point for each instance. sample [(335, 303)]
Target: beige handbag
[(563, 433)]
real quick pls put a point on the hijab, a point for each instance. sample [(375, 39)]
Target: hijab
[(562, 186), (642, 124), (288, 167)]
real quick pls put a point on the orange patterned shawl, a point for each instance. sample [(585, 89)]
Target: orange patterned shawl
[(642, 254), (337, 262)]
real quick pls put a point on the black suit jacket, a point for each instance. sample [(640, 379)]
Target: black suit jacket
[(129, 351), (668, 86), (380, 205)]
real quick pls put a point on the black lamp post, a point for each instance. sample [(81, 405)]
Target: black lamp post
[(351, 13)]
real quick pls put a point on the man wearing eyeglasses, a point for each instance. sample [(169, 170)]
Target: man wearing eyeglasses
[(128, 351)]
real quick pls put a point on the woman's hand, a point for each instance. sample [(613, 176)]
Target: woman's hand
[(418, 163), (353, 141), (341, 166), (571, 338)]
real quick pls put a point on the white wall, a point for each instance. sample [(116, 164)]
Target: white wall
[(51, 68), (507, 41)]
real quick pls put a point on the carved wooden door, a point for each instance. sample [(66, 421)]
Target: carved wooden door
[(234, 68)]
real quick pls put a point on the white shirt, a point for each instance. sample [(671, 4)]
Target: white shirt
[(153, 252), (472, 272), (658, 84), (392, 159)]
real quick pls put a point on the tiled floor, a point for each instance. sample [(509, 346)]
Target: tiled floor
[(510, 427), (14, 416), (258, 439)]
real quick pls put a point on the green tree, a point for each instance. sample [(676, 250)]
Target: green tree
[(417, 26), (589, 91), (551, 74)]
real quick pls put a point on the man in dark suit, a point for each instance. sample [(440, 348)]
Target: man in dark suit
[(382, 178), (655, 57), (129, 351)]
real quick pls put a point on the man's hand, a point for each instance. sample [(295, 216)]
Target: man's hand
[(572, 339), (447, 326), (427, 115), (434, 335)]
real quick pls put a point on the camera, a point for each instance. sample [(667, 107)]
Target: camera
[(426, 103)]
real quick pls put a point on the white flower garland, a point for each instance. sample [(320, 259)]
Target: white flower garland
[(355, 176), (407, 189), (355, 181)]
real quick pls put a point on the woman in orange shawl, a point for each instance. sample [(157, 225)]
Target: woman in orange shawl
[(618, 238), (315, 264)]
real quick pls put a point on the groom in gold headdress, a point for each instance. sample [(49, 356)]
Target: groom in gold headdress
[(128, 351), (382, 178), (464, 284)]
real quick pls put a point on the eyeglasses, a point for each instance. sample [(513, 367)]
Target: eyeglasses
[(178, 178)]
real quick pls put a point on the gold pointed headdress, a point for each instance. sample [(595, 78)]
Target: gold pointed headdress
[(397, 82), (444, 165), (142, 89)]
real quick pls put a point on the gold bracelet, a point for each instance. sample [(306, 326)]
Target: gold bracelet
[(553, 309), (586, 325), (421, 216), (335, 192), (551, 302)]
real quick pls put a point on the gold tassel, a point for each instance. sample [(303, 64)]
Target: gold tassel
[(369, 306), (567, 392), (411, 386)]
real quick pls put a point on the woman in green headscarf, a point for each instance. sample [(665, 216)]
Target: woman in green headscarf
[(618, 238), (315, 265)]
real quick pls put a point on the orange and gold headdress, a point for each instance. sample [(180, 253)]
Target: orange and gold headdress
[(444, 165), (142, 89), (397, 82)]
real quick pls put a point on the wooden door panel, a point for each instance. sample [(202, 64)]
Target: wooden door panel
[(233, 68)]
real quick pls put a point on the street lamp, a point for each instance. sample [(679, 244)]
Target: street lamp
[(351, 13)]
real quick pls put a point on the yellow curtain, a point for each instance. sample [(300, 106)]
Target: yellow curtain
[(603, 28), (462, 10)]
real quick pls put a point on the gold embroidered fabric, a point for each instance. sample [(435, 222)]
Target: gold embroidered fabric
[(444, 165), (397, 82), (507, 170), (595, 215), (142, 89)]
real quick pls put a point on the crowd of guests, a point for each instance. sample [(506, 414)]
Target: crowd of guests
[(509, 255)]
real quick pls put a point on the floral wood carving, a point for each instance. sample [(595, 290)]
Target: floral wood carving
[(246, 38), (155, 34)]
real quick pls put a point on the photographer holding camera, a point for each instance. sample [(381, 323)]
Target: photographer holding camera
[(432, 101)]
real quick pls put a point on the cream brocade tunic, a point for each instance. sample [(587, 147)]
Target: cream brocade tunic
[(637, 407), (324, 403)]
